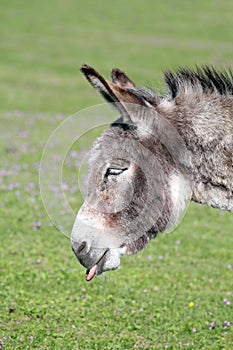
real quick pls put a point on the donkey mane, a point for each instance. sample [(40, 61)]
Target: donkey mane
[(207, 78), (204, 80)]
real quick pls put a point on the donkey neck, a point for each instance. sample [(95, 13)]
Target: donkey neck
[(205, 123)]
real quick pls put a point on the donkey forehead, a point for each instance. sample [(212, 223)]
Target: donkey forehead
[(114, 143)]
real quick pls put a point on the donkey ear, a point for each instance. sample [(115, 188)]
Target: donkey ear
[(106, 89), (115, 92), (119, 91), (121, 79), (99, 83)]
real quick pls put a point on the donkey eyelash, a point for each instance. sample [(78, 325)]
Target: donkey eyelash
[(114, 171)]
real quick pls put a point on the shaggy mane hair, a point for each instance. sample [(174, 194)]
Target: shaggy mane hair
[(207, 77)]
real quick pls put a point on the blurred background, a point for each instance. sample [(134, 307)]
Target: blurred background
[(177, 292), (43, 43)]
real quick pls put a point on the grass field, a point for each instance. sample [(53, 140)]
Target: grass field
[(177, 293)]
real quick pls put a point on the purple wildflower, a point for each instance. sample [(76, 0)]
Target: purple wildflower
[(73, 154), (212, 325), (4, 172), (229, 266), (160, 257), (194, 330), (36, 224), (12, 186), (226, 301), (65, 187), (226, 324)]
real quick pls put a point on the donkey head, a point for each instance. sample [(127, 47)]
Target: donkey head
[(137, 184)]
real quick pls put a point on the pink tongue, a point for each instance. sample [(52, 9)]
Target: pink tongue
[(91, 273)]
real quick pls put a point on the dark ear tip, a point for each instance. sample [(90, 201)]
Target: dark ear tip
[(85, 69), (120, 78), (116, 72)]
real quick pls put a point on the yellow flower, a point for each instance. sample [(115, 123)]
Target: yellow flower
[(191, 304)]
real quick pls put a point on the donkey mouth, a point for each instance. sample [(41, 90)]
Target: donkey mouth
[(90, 273), (96, 269)]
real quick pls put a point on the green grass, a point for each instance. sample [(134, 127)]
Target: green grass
[(156, 298), (44, 43)]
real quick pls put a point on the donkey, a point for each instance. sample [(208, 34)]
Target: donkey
[(162, 153)]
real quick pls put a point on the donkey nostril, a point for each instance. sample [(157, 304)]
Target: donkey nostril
[(83, 248)]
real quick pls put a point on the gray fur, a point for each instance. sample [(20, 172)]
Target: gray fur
[(163, 152)]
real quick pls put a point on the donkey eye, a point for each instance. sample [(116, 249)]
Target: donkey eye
[(114, 171)]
